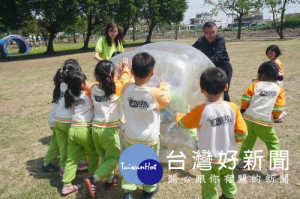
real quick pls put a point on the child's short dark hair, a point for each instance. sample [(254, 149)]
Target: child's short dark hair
[(274, 48), (270, 70), (142, 65), (213, 80)]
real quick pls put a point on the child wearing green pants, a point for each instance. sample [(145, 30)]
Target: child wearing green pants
[(62, 114), (59, 80), (79, 136), (53, 151), (108, 113), (142, 105), (219, 126), (262, 103)]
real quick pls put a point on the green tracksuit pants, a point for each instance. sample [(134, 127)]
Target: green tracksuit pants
[(62, 130), (80, 142), (226, 178), (266, 134), (107, 143), (53, 151)]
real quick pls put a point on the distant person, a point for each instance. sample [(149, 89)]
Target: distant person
[(262, 102), (213, 46), (273, 52), (110, 43)]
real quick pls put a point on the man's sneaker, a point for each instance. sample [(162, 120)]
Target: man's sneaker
[(109, 186), (49, 168), (83, 165), (61, 172), (73, 188), (275, 172), (92, 186), (149, 195), (128, 195), (243, 165), (281, 116)]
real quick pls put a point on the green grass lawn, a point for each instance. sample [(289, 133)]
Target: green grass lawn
[(66, 48)]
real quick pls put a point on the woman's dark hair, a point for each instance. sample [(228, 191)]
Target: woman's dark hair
[(213, 80), (209, 24), (142, 64), (75, 80), (70, 65), (274, 48), (105, 70), (270, 70), (118, 38)]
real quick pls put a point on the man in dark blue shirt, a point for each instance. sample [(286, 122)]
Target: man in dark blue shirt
[(213, 46)]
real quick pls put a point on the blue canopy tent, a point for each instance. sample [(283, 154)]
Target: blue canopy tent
[(21, 41)]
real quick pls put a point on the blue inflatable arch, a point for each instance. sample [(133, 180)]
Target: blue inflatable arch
[(21, 41)]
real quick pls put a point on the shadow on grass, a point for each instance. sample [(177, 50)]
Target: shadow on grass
[(34, 167), (43, 55), (45, 140), (35, 170), (59, 53)]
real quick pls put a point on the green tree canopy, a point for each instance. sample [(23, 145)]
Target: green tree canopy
[(54, 16), (239, 8)]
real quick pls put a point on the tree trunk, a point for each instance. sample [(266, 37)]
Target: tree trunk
[(88, 34), (176, 31), (133, 31), (281, 34), (124, 32), (69, 40), (50, 47), (151, 27), (239, 27), (86, 41), (74, 38)]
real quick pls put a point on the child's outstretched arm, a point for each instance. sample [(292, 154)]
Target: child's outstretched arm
[(279, 104), (190, 120), (161, 94), (246, 97), (125, 74)]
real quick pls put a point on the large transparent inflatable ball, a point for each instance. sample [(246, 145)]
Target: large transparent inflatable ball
[(180, 66)]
